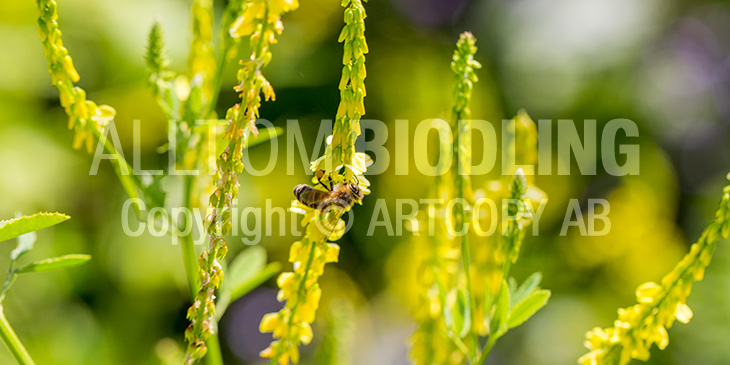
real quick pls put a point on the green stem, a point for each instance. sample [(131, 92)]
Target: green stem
[(493, 337), (487, 348), (214, 355), (129, 183), (217, 83), (13, 342), (469, 297), (461, 128), (188, 248)]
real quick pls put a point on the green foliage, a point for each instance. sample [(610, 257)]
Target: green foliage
[(498, 324), (54, 263), (338, 331), (527, 306), (457, 313), (247, 271), (24, 229), (15, 227)]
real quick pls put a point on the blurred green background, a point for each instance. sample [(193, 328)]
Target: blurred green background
[(663, 64)]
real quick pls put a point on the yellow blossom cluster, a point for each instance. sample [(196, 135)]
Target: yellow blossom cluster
[(439, 269), (85, 117), (291, 326), (659, 304), (202, 55)]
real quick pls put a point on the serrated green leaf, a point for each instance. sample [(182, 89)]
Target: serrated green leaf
[(498, 323), (527, 287), (55, 263), (25, 244), (527, 307), (12, 228)]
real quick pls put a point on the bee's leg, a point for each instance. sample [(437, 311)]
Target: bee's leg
[(320, 174), (323, 185)]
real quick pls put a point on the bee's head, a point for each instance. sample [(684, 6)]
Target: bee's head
[(355, 190)]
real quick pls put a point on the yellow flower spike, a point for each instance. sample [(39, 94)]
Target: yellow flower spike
[(647, 322), (312, 252)]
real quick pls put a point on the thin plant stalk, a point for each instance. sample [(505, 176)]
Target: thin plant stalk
[(463, 66), (13, 342)]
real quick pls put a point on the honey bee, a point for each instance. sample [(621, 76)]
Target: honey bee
[(341, 196)]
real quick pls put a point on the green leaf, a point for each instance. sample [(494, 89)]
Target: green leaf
[(269, 271), (12, 228), (204, 125), (451, 312), (247, 271), (194, 104), (512, 286), (264, 136), (527, 287), (465, 321), (526, 308), (456, 313), (226, 297), (243, 268), (55, 263), (498, 325), (25, 244)]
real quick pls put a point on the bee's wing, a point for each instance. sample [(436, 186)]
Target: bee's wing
[(310, 196)]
